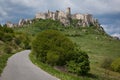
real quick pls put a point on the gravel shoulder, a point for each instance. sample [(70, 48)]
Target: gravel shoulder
[(19, 67)]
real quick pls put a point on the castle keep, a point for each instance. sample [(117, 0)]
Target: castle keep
[(65, 17)]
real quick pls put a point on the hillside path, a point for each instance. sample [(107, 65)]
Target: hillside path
[(19, 67)]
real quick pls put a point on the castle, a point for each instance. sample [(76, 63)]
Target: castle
[(83, 20), (65, 17)]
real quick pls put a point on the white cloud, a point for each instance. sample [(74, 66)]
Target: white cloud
[(2, 12), (116, 35), (83, 6), (29, 3), (98, 6), (15, 9), (111, 28)]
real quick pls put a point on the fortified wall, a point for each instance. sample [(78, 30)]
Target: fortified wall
[(83, 20), (65, 17)]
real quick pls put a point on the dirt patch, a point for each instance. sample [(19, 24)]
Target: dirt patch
[(60, 68)]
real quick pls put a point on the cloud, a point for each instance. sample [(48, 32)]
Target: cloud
[(28, 3), (97, 6), (2, 12), (107, 11), (111, 29), (116, 35)]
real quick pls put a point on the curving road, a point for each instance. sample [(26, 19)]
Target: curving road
[(19, 67)]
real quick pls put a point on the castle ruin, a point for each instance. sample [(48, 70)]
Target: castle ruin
[(83, 20), (65, 17)]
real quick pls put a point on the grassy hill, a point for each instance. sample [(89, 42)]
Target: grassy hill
[(98, 45)]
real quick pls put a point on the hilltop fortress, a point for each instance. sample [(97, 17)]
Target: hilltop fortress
[(66, 18), (84, 20)]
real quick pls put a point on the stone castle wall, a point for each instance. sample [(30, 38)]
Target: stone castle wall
[(65, 17), (84, 20)]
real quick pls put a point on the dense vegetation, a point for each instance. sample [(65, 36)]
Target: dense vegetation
[(100, 47), (52, 47), (10, 43), (79, 64), (93, 40)]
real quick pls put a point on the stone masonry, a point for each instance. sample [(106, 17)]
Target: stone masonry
[(84, 20)]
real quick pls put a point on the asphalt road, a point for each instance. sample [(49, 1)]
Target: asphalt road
[(19, 67)]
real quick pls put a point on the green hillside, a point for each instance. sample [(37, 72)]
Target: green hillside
[(93, 40), (10, 43)]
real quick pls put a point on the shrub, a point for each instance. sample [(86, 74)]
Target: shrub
[(51, 42), (7, 37), (52, 47), (52, 58), (7, 49), (80, 64), (116, 65), (106, 63), (1, 35), (24, 41), (17, 40), (6, 34), (8, 30), (47, 24)]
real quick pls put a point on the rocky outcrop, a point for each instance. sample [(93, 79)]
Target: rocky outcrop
[(24, 21), (9, 24)]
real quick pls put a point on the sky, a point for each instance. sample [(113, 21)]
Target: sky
[(106, 11)]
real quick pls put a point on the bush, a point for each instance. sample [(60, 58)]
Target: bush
[(80, 64), (7, 49), (106, 63), (52, 58), (24, 41), (52, 44), (6, 29), (1, 35), (116, 65), (47, 24), (17, 40), (7, 37), (6, 34), (52, 47)]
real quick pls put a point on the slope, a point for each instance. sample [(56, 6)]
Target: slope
[(93, 40)]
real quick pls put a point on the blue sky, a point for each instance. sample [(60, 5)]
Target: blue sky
[(106, 11)]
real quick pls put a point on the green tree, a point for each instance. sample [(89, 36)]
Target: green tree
[(52, 43), (52, 58), (80, 64), (52, 47)]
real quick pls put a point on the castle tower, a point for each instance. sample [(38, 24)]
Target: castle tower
[(68, 12), (56, 15)]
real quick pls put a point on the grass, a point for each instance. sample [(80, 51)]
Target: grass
[(54, 72), (28, 30), (3, 61), (5, 53), (97, 48), (96, 43)]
